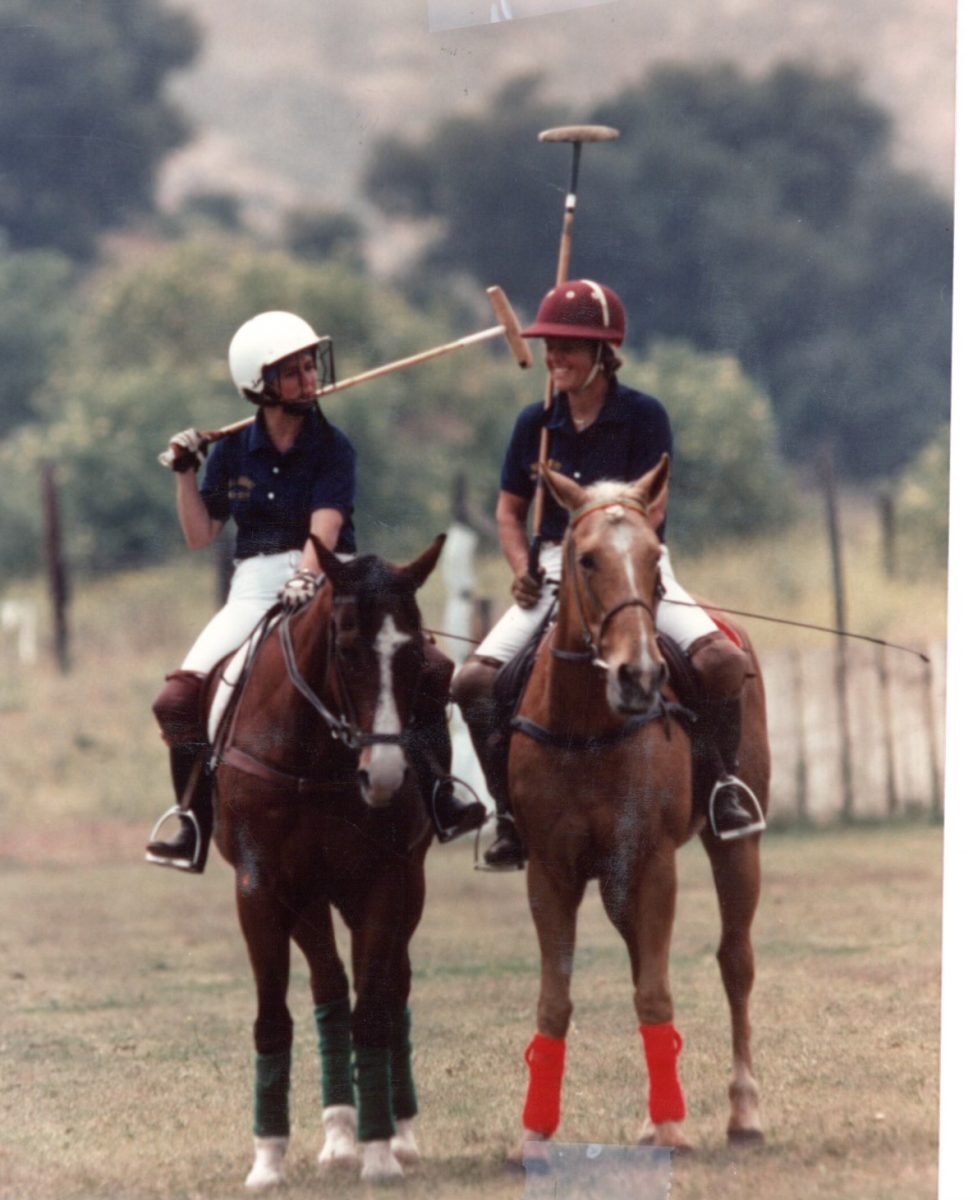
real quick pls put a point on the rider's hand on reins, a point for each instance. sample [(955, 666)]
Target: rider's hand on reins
[(186, 451), (299, 588), (526, 590)]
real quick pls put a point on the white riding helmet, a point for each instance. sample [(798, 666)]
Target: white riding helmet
[(262, 341)]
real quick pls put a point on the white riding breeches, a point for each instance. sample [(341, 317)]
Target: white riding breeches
[(685, 625), (254, 589)]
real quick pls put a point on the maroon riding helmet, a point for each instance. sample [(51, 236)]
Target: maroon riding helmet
[(580, 308)]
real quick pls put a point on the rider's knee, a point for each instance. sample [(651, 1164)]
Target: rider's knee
[(178, 708), (473, 683), (720, 665)]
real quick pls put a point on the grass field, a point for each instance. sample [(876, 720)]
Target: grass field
[(125, 1052), (127, 1001)]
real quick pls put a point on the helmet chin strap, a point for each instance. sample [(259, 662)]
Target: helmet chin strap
[(595, 368)]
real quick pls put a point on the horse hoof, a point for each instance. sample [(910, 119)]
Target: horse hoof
[(379, 1164), (268, 1164), (404, 1144), (340, 1148), (667, 1136), (745, 1138), (530, 1154)]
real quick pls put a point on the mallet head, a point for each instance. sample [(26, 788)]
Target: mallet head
[(511, 326), (579, 133)]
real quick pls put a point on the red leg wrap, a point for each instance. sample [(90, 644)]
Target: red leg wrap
[(542, 1108), (667, 1102)]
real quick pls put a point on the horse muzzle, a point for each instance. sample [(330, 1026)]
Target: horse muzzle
[(634, 689), (381, 772)]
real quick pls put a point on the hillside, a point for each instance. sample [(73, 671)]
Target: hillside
[(286, 105)]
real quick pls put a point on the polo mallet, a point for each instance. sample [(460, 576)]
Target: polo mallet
[(577, 135), (508, 327)]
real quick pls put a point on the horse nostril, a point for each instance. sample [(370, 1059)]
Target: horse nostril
[(364, 785)]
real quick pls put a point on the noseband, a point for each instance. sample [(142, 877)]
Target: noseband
[(593, 639)]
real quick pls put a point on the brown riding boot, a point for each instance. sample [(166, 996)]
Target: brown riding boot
[(721, 668), (178, 709)]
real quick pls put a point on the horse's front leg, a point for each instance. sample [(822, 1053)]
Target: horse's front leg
[(314, 934), (645, 916), (736, 873), (554, 908), (379, 932), (266, 923)]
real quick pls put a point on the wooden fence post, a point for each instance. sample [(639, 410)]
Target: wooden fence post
[(57, 573), (885, 702), (935, 777), (826, 473)]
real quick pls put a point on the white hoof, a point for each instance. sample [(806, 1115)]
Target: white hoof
[(534, 1152), (340, 1148), (379, 1164), (268, 1163), (404, 1144)]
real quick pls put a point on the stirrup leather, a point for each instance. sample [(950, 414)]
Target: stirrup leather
[(757, 825), (185, 814)]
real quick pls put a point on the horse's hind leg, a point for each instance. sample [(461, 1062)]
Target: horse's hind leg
[(266, 925), (314, 934), (736, 873)]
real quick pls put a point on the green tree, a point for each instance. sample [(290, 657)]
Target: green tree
[(760, 217), (36, 294), (148, 357), (922, 503), (84, 120), (728, 477)]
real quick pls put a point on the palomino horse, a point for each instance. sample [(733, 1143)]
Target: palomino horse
[(314, 808), (601, 785)]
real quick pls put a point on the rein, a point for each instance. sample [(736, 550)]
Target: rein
[(346, 730)]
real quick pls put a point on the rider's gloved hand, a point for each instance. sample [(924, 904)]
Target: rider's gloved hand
[(299, 588), (526, 590), (186, 451)]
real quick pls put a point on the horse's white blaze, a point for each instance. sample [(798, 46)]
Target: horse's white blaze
[(268, 1163), (385, 765), (379, 1163), (623, 540)]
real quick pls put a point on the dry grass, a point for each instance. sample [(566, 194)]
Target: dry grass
[(126, 1054)]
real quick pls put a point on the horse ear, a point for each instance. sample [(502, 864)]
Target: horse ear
[(421, 568), (566, 492), (329, 563), (653, 490)]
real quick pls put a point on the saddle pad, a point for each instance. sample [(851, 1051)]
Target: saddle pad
[(228, 675)]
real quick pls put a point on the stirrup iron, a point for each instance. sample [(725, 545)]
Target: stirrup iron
[(746, 794), (184, 814)]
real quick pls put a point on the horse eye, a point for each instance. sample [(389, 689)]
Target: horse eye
[(587, 562)]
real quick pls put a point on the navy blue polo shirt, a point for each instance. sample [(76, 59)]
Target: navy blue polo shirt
[(628, 437), (271, 496)]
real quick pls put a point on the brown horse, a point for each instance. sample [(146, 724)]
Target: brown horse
[(315, 808), (601, 786)]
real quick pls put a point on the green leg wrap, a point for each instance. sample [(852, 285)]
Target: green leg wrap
[(405, 1103), (270, 1115), (334, 1042), (373, 1079)]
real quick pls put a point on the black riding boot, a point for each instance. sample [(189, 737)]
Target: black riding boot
[(734, 810), (431, 757), (493, 749), (188, 850)]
